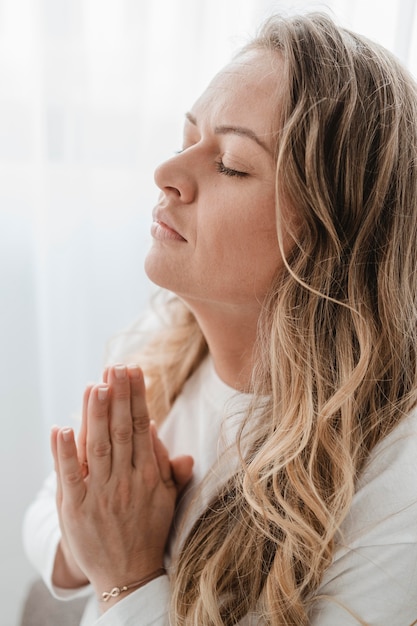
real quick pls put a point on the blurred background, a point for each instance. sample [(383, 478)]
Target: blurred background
[(92, 98)]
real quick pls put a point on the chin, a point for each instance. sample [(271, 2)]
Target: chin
[(153, 272), (160, 271)]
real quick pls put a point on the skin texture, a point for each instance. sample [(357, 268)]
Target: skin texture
[(215, 245), (115, 520), (227, 254), (226, 221)]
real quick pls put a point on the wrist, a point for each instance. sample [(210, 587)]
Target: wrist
[(113, 595), (65, 575)]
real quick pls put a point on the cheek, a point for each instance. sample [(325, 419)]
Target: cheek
[(257, 232), (245, 245)]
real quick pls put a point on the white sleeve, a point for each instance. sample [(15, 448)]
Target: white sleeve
[(147, 606), (41, 535), (374, 573)]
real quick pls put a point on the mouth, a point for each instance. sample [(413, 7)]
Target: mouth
[(165, 232)]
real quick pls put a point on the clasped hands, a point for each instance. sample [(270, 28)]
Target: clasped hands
[(116, 489)]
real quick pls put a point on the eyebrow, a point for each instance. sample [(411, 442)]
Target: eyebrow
[(242, 131)]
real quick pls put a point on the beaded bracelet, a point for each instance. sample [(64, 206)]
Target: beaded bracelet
[(116, 591)]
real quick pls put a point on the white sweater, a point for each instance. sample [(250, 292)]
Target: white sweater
[(374, 574)]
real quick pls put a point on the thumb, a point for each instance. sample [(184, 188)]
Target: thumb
[(182, 470)]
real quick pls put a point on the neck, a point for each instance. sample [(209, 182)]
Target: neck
[(231, 335)]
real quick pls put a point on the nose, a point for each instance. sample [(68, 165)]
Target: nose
[(176, 177)]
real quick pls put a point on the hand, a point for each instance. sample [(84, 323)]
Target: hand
[(66, 572), (82, 433), (116, 519)]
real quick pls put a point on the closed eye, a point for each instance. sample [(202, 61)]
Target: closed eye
[(222, 169)]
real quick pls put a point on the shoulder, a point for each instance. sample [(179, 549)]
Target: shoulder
[(384, 508), (389, 479), (374, 570)]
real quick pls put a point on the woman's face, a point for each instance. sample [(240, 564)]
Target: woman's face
[(214, 231)]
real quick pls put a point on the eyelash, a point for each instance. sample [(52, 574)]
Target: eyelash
[(222, 169)]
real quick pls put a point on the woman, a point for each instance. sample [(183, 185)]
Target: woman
[(286, 227)]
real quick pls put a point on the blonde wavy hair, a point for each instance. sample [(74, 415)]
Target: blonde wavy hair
[(337, 336)]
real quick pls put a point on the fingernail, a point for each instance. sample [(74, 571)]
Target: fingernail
[(134, 371), (102, 393), (67, 434), (120, 371)]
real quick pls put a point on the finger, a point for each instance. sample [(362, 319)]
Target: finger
[(99, 450), (121, 427), (161, 454), (142, 437), (182, 470), (106, 375), (54, 449), (72, 483), (54, 446), (178, 470), (82, 435)]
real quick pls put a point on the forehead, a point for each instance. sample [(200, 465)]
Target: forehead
[(246, 93)]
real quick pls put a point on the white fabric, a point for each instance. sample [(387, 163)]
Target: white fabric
[(92, 98), (375, 570)]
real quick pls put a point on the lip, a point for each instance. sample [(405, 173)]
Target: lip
[(163, 227)]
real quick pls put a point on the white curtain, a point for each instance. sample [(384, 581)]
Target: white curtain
[(92, 97)]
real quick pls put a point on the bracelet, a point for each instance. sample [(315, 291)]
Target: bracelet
[(116, 591)]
